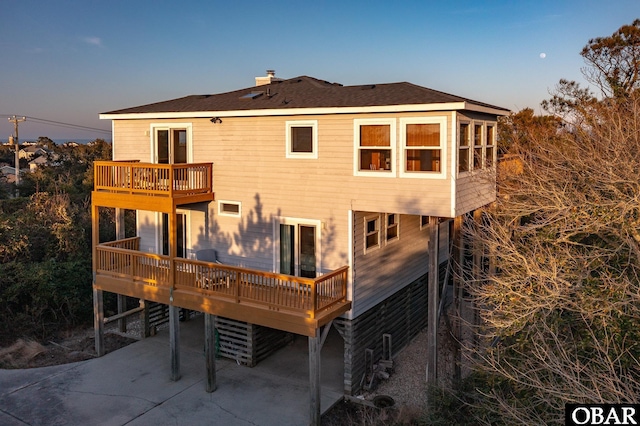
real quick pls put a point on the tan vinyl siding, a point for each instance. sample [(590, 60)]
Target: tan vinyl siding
[(474, 191), (380, 272), (250, 167), (147, 231), (132, 140)]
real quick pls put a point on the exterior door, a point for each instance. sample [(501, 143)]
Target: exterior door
[(181, 237), (298, 250), (170, 145)]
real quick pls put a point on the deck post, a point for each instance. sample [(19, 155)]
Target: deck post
[(174, 341), (458, 268), (314, 379), (122, 299), (174, 311), (98, 321), (433, 302), (98, 303), (210, 351), (477, 270)]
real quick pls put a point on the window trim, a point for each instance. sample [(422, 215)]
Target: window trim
[(366, 234), (357, 123), (314, 139), (469, 147), (396, 225), (442, 121), (297, 222), (423, 226), (482, 145), (221, 211), (493, 126), (186, 237), (154, 127)]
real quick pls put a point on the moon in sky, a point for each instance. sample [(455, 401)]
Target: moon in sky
[(543, 55)]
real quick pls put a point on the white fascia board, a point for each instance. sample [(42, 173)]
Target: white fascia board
[(307, 111)]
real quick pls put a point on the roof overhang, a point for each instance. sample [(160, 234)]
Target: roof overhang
[(450, 106)]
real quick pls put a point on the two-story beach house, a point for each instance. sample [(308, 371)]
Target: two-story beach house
[(292, 205)]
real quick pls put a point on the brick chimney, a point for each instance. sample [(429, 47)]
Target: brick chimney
[(270, 78)]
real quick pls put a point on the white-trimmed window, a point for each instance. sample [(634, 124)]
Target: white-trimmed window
[(392, 224), (371, 232), (464, 147), (302, 139), (477, 145), (375, 147), (423, 145), (490, 148), (230, 208)]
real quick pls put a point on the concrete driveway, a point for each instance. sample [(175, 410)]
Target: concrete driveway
[(131, 386)]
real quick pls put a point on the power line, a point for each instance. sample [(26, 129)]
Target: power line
[(61, 124)]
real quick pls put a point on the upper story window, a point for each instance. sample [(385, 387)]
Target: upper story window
[(477, 146), (490, 149), (375, 142), (302, 139), (464, 144), (423, 145)]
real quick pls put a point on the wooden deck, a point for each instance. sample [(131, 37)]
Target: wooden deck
[(294, 304), (159, 187)]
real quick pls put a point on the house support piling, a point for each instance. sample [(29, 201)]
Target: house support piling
[(314, 378), (210, 351), (122, 299), (458, 256), (433, 302), (174, 341), (98, 321)]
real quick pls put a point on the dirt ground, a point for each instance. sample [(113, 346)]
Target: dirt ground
[(74, 345)]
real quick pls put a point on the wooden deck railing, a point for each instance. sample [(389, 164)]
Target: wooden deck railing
[(132, 243), (138, 267), (303, 296), (157, 179)]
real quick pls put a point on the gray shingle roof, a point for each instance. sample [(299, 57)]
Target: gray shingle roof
[(304, 92)]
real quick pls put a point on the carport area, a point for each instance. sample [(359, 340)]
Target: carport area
[(132, 386)]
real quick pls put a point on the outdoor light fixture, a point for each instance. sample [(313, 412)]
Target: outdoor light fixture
[(215, 120)]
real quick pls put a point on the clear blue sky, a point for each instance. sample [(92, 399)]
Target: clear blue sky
[(68, 61)]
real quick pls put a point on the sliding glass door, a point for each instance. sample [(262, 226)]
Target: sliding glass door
[(298, 249)]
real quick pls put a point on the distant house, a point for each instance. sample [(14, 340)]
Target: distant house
[(296, 204), (31, 151), (38, 161), (9, 172)]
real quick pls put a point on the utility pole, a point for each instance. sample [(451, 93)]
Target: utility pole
[(15, 120)]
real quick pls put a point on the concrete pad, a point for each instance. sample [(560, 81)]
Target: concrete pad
[(132, 386)]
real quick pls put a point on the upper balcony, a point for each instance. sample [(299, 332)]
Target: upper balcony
[(146, 186)]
